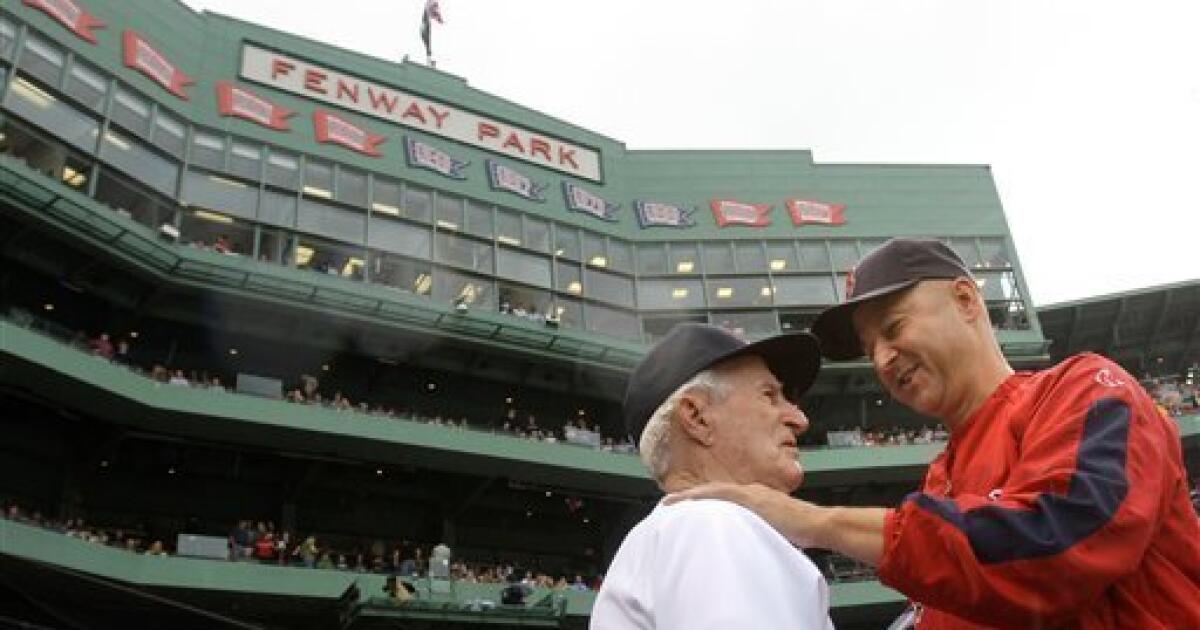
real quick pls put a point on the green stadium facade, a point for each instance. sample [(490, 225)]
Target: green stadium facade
[(253, 205)]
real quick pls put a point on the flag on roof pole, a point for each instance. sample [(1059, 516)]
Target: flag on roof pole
[(432, 12)]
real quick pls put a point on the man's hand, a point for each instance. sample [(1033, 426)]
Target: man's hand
[(793, 518), (855, 532)]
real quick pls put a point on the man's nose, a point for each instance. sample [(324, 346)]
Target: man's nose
[(795, 419)]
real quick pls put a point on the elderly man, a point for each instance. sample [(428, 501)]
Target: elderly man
[(705, 406), (1060, 501)]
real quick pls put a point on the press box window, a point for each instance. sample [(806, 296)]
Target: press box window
[(86, 85), (318, 180), (351, 186), (170, 135), (208, 150), (245, 160), (37, 105), (283, 170), (8, 36), (140, 162), (42, 59), (131, 111)]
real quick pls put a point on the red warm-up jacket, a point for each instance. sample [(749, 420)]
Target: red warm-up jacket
[(1061, 503)]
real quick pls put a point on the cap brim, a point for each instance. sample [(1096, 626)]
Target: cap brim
[(794, 359), (835, 325)]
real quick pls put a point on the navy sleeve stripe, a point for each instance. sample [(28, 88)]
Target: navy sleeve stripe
[(1056, 522)]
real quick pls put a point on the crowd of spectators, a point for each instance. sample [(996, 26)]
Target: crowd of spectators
[(847, 438), (1176, 395)]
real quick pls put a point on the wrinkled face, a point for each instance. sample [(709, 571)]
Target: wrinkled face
[(918, 343), (755, 428)]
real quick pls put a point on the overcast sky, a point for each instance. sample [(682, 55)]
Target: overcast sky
[(1088, 111)]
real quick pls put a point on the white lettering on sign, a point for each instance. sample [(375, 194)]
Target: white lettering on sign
[(300, 77)]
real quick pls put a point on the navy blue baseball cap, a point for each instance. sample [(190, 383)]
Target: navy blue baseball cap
[(896, 265), (688, 349)]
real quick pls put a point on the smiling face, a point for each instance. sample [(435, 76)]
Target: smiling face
[(920, 342), (755, 428)]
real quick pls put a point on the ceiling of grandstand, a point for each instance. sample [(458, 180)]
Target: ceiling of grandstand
[(1153, 331)]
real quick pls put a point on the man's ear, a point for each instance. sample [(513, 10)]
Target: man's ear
[(968, 299), (692, 420)]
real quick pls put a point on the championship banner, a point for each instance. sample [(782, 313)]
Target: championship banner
[(71, 15), (331, 129), (809, 211), (655, 214), (583, 201), (507, 179), (422, 155), (242, 103), (141, 56), (730, 212)]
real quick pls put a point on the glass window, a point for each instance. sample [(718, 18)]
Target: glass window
[(750, 257), (845, 255), (329, 257), (45, 155), (997, 285), (208, 150), (569, 312), (724, 292), (330, 221), (87, 85), (399, 237), (994, 253), (781, 256), (449, 212), (131, 111), (537, 234), (216, 232), (524, 302), (747, 324), (652, 258), (794, 321), (814, 256), (277, 209), (479, 220), (214, 192), (656, 327), (245, 160), (38, 106), (966, 250), (613, 322), (418, 204), (508, 227), (318, 179), (665, 294), (804, 290), (608, 287), (385, 196), (568, 277), (169, 134), (685, 258), (465, 252), (566, 242), (839, 284), (41, 59), (140, 161), (718, 258), (283, 169), (407, 275), (134, 200), (8, 36), (593, 250), (453, 287), (352, 186), (527, 268), (1008, 315), (620, 258), (274, 245)]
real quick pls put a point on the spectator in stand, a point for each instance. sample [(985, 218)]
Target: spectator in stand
[(102, 346), (123, 354), (156, 549), (307, 551), (223, 245), (239, 540), (178, 379), (398, 590), (264, 548), (325, 562), (579, 584), (515, 593)]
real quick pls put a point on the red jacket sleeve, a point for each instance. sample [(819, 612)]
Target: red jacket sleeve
[(1076, 513)]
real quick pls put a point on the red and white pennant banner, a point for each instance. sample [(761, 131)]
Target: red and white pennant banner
[(141, 56), (233, 100), (730, 212), (72, 16), (809, 211), (330, 128)]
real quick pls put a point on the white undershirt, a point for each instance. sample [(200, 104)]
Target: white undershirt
[(709, 564)]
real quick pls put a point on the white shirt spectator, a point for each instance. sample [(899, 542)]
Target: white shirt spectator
[(178, 380), (709, 564)]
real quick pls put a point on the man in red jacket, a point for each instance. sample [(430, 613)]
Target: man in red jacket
[(1061, 499)]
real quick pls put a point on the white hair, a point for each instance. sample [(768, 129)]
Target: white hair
[(654, 446)]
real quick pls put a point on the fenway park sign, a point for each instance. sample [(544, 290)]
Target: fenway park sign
[(300, 77)]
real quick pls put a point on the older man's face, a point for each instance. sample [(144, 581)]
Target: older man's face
[(756, 428)]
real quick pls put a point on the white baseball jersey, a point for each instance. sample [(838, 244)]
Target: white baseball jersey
[(709, 564)]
